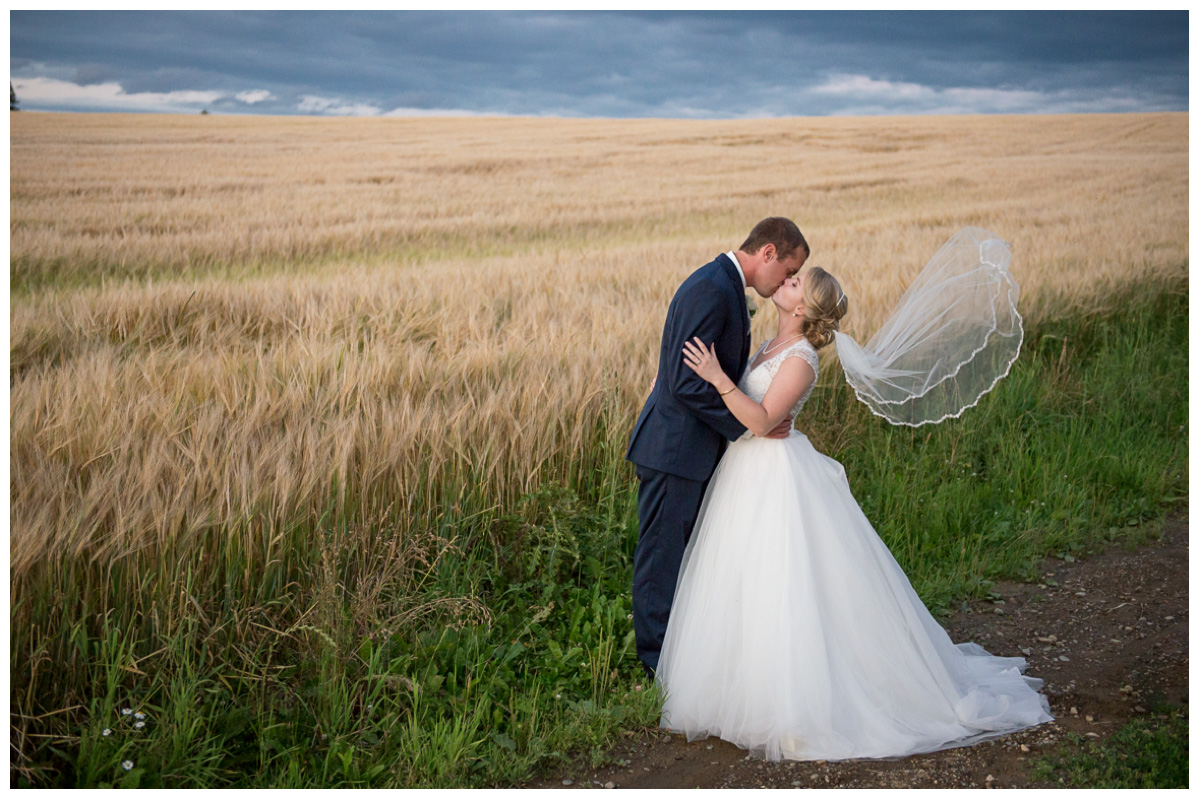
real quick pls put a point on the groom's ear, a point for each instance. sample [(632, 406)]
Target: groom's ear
[(767, 252)]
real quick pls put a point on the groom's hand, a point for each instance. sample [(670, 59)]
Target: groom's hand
[(782, 429)]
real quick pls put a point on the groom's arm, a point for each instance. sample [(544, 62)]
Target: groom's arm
[(703, 313)]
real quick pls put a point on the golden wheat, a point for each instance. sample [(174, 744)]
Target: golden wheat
[(373, 313)]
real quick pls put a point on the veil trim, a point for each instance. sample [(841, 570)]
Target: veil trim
[(982, 394), (867, 385), (961, 364)]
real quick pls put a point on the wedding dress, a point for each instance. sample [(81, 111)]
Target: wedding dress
[(796, 635)]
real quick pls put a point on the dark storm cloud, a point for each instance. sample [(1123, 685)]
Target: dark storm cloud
[(681, 64)]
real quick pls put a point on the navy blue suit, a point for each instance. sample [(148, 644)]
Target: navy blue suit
[(679, 437)]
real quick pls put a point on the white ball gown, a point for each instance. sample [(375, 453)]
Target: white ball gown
[(796, 635)]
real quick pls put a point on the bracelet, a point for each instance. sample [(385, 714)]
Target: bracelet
[(727, 391)]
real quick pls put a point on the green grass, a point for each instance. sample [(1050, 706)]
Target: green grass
[(471, 645), (1148, 753)]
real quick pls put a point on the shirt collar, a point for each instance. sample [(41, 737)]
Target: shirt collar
[(733, 257)]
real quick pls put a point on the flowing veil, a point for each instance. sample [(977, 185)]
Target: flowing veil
[(954, 334)]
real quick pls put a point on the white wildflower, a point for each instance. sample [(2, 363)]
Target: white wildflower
[(125, 712), (139, 715), (139, 724), (127, 765), (106, 732)]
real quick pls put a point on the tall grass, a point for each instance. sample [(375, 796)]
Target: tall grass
[(471, 645), (364, 519), (166, 416)]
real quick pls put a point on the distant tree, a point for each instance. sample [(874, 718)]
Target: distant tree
[(12, 98), (204, 112)]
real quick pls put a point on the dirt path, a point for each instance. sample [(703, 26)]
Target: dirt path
[(1109, 635)]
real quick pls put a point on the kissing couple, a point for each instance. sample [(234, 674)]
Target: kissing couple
[(764, 602)]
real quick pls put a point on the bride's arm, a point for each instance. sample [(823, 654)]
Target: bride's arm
[(790, 382)]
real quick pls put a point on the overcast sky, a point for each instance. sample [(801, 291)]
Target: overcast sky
[(601, 64)]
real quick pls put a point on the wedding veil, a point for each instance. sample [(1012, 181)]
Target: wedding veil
[(954, 334)]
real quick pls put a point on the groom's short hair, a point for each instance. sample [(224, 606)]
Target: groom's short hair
[(779, 231)]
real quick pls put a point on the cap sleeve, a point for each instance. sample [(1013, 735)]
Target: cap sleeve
[(802, 349)]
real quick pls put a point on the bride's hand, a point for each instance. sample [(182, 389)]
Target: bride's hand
[(702, 361)]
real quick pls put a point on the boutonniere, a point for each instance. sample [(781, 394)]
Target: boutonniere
[(751, 306)]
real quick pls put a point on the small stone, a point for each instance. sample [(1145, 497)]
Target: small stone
[(1140, 709), (1074, 711), (990, 779), (1081, 594), (568, 782), (999, 610), (1126, 689), (1063, 658), (1169, 618), (1114, 641), (1047, 639), (610, 785), (1024, 748), (1093, 734), (1027, 651)]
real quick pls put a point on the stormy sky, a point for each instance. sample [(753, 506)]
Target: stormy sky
[(600, 64)]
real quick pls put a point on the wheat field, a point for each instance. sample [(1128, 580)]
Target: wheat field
[(223, 327)]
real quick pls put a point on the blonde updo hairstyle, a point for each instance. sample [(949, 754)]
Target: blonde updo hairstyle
[(824, 306)]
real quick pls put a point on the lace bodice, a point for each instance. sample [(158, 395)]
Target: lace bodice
[(756, 381)]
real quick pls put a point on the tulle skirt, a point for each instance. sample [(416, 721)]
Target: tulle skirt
[(795, 634)]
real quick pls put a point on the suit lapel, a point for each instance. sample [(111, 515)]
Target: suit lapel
[(731, 272)]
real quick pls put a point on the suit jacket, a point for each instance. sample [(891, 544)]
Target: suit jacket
[(684, 427)]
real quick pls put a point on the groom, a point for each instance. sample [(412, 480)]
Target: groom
[(684, 426)]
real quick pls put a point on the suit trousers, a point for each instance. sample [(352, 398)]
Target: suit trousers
[(667, 510)]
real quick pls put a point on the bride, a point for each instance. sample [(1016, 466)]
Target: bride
[(794, 633)]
